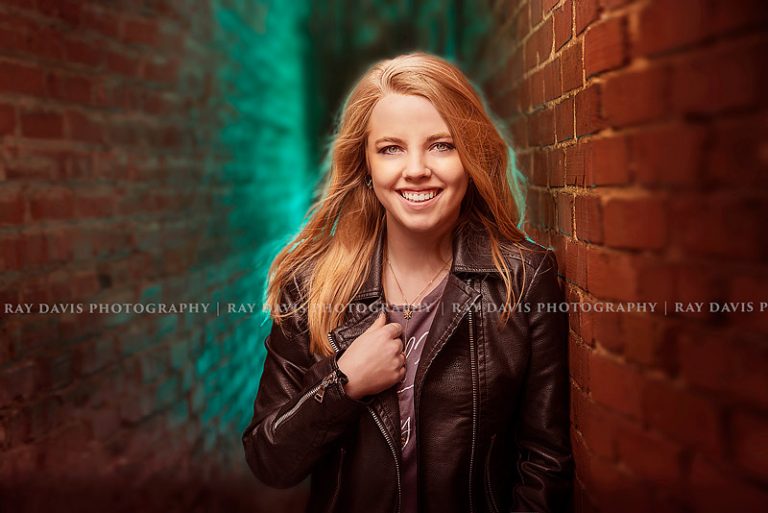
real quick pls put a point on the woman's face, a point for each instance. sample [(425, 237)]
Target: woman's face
[(416, 170)]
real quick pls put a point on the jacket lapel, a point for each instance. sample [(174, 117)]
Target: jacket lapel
[(470, 254)]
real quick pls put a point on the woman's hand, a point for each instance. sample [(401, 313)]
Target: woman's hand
[(375, 360)]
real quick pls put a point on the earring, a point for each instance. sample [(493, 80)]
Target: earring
[(369, 181)]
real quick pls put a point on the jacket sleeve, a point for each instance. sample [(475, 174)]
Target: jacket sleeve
[(545, 462), (300, 408)]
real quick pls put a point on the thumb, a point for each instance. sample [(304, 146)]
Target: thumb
[(381, 320)]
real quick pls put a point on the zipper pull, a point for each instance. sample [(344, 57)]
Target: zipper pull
[(327, 381)]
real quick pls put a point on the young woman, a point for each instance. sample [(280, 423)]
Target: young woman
[(441, 383)]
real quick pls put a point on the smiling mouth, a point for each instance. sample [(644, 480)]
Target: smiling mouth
[(420, 197)]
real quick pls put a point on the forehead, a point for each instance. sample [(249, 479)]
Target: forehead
[(401, 115)]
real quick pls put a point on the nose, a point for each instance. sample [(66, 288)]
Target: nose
[(416, 166)]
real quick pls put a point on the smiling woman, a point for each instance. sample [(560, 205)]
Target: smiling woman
[(416, 171), (428, 391)]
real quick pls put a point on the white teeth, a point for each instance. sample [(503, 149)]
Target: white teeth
[(418, 196)]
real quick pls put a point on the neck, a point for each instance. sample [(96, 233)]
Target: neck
[(418, 255)]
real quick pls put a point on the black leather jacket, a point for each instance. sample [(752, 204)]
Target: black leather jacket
[(492, 404)]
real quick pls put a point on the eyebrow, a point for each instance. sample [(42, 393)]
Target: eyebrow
[(431, 138)]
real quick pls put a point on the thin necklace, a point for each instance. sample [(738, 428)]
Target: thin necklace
[(408, 312)]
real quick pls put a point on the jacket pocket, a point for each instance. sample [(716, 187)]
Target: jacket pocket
[(489, 493), (337, 484)]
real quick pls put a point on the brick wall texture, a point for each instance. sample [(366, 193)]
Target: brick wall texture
[(134, 142), (641, 126), (137, 140)]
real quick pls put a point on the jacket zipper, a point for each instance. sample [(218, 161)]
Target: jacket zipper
[(489, 484), (386, 437), (318, 391), (473, 367)]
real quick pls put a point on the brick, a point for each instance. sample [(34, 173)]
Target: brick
[(647, 90), (51, 203), (563, 21), (611, 275), (574, 165), (552, 83), (669, 24), (750, 435), (564, 213), (724, 16), (649, 456), (19, 78), (95, 205), (557, 168), (586, 11), (607, 330), (576, 270), (714, 490), (140, 31), (635, 222), (83, 128), (520, 132), (69, 88), (7, 119), (692, 419), (542, 40), (605, 46), (537, 9), (615, 385), (606, 161), (588, 218), (102, 22), (736, 154), (564, 120), (668, 156), (719, 80), (83, 52), (537, 88), (733, 364), (42, 124), (541, 128), (123, 64), (17, 383), (589, 116), (572, 67), (540, 169), (523, 21), (723, 225), (646, 341), (11, 207), (165, 72), (597, 425)]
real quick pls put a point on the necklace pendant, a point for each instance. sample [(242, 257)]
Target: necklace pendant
[(408, 313)]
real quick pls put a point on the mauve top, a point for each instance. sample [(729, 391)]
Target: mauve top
[(418, 328)]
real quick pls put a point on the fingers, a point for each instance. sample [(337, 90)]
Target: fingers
[(396, 330), (381, 320)]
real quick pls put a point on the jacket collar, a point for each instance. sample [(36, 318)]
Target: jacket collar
[(471, 253)]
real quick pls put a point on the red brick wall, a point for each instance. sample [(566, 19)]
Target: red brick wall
[(110, 192), (642, 127)]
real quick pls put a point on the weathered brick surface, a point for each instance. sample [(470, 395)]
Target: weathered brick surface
[(119, 185), (655, 167)]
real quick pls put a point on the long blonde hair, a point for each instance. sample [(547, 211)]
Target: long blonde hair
[(334, 249)]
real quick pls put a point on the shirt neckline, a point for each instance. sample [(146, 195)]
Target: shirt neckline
[(426, 302)]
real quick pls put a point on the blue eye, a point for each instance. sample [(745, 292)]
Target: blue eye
[(385, 148), (448, 147)]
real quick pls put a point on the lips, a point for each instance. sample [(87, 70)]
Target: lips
[(421, 196), (421, 199)]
